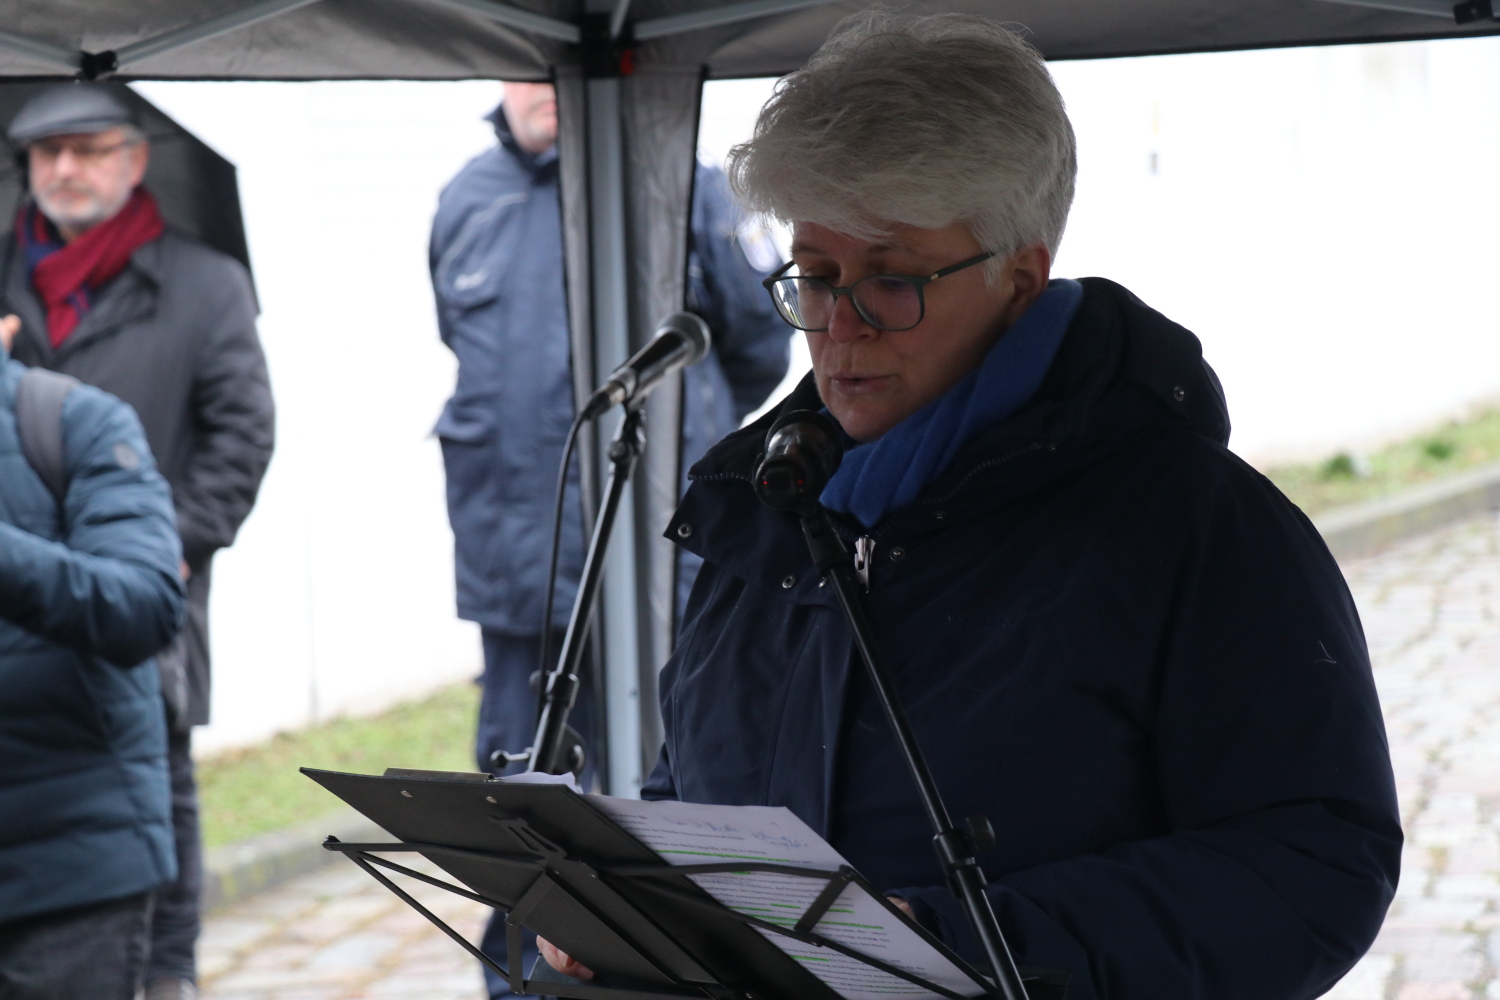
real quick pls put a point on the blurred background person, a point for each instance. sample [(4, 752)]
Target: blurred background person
[(89, 592), (107, 294), (497, 272)]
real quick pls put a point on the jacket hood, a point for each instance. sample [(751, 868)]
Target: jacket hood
[(507, 138), (1123, 369)]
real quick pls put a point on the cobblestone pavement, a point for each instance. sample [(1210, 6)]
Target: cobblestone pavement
[(337, 934), (1431, 610)]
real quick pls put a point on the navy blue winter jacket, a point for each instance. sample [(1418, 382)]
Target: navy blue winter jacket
[(497, 273), (1116, 640), (87, 596)]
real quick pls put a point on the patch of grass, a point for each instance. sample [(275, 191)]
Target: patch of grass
[(1341, 466), (258, 789), (1345, 479)]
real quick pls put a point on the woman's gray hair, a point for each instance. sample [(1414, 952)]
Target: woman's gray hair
[(919, 121)]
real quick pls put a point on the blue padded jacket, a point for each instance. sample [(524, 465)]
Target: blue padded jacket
[(88, 594)]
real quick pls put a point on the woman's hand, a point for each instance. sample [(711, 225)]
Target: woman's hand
[(902, 905), (562, 961)]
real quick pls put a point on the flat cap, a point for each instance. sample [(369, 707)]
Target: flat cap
[(67, 108)]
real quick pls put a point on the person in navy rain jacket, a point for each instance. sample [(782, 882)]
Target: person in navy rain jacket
[(1115, 639), (89, 593), (497, 273)]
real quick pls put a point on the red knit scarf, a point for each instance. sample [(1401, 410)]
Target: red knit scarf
[(67, 275)]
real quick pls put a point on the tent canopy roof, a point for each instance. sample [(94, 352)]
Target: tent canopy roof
[(521, 39)]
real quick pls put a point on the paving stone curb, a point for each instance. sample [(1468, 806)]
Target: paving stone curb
[(236, 871), (1363, 529)]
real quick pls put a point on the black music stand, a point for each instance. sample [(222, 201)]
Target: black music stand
[(557, 866)]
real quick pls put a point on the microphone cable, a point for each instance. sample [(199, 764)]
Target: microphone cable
[(557, 521)]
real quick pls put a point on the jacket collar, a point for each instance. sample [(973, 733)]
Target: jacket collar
[(534, 163), (1122, 369), (128, 298)]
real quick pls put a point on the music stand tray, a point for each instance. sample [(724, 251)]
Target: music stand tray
[(554, 864)]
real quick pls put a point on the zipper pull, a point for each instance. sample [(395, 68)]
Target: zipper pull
[(864, 555)]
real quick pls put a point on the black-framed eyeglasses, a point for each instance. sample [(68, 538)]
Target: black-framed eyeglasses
[(49, 150), (890, 302)]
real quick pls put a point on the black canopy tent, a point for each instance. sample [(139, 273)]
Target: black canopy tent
[(629, 74)]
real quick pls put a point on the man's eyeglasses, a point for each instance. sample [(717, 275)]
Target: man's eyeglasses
[(890, 302), (86, 153)]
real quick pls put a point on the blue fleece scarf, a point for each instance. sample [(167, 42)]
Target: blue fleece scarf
[(880, 476)]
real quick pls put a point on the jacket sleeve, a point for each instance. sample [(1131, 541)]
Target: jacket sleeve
[(1276, 783), (112, 588), (453, 210), (660, 785), (437, 245), (752, 342), (235, 423)]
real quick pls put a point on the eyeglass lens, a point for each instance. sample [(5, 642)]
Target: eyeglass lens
[(83, 152), (885, 302)]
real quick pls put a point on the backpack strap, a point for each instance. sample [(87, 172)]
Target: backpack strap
[(39, 406)]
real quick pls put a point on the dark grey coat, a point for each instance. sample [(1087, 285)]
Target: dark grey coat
[(174, 336)]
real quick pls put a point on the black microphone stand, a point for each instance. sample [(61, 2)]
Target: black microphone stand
[(955, 847), (556, 748), (791, 477)]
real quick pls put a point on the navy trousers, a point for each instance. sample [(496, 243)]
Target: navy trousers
[(507, 721), (93, 952)]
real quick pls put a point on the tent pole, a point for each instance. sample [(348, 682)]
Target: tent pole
[(659, 118), (611, 307), (674, 24), (204, 30), (515, 17), (617, 18), (505, 14), (55, 54), (1431, 8), (627, 145)]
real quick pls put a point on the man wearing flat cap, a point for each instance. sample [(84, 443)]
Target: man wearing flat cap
[(107, 293)]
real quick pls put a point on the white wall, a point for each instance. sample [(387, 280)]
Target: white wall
[(1321, 218), (338, 596)]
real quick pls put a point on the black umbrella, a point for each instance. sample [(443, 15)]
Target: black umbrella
[(195, 187)]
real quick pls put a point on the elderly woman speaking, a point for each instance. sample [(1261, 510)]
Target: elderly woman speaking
[(1115, 639)]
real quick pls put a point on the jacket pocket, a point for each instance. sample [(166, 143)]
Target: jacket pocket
[(468, 420), (470, 271)]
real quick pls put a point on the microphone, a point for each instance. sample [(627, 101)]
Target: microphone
[(681, 340), (803, 451)]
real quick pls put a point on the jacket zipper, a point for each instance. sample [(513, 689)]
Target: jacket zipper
[(864, 556)]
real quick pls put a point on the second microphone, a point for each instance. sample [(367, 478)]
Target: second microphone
[(681, 340)]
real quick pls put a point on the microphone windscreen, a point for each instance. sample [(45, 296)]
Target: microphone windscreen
[(803, 451), (693, 331)]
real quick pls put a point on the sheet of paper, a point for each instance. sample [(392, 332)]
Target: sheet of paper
[(685, 833)]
